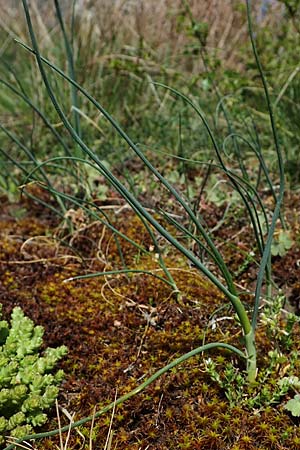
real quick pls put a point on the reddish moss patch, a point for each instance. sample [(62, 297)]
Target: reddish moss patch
[(120, 329)]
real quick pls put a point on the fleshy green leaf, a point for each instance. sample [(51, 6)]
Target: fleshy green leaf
[(27, 386), (282, 244), (293, 406)]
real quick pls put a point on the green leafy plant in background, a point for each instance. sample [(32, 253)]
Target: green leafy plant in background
[(28, 387), (293, 405), (282, 243)]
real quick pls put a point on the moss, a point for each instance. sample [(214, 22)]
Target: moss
[(121, 329)]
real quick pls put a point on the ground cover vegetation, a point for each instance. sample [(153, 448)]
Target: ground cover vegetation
[(150, 187)]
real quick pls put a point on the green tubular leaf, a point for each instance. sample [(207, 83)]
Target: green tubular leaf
[(132, 201), (31, 157), (71, 68), (24, 149), (137, 390), (279, 198), (121, 271), (39, 112), (82, 203)]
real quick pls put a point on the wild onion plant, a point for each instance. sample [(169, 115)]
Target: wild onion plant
[(200, 236)]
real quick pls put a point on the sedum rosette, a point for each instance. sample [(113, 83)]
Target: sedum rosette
[(28, 385)]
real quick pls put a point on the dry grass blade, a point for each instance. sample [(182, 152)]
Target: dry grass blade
[(71, 419), (110, 433), (24, 444)]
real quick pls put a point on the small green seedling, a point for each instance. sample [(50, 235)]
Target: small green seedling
[(282, 243), (293, 405)]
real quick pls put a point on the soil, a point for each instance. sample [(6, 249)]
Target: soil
[(121, 328)]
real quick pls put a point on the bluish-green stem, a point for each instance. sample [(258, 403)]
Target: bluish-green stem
[(229, 291), (214, 251), (71, 66), (130, 394), (169, 279)]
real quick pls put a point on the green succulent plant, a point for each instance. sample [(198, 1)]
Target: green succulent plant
[(27, 386)]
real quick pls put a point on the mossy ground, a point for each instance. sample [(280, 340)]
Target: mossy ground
[(120, 329)]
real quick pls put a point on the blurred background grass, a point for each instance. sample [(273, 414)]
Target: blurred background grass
[(119, 48)]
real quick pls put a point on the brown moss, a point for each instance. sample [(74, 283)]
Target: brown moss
[(120, 329)]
